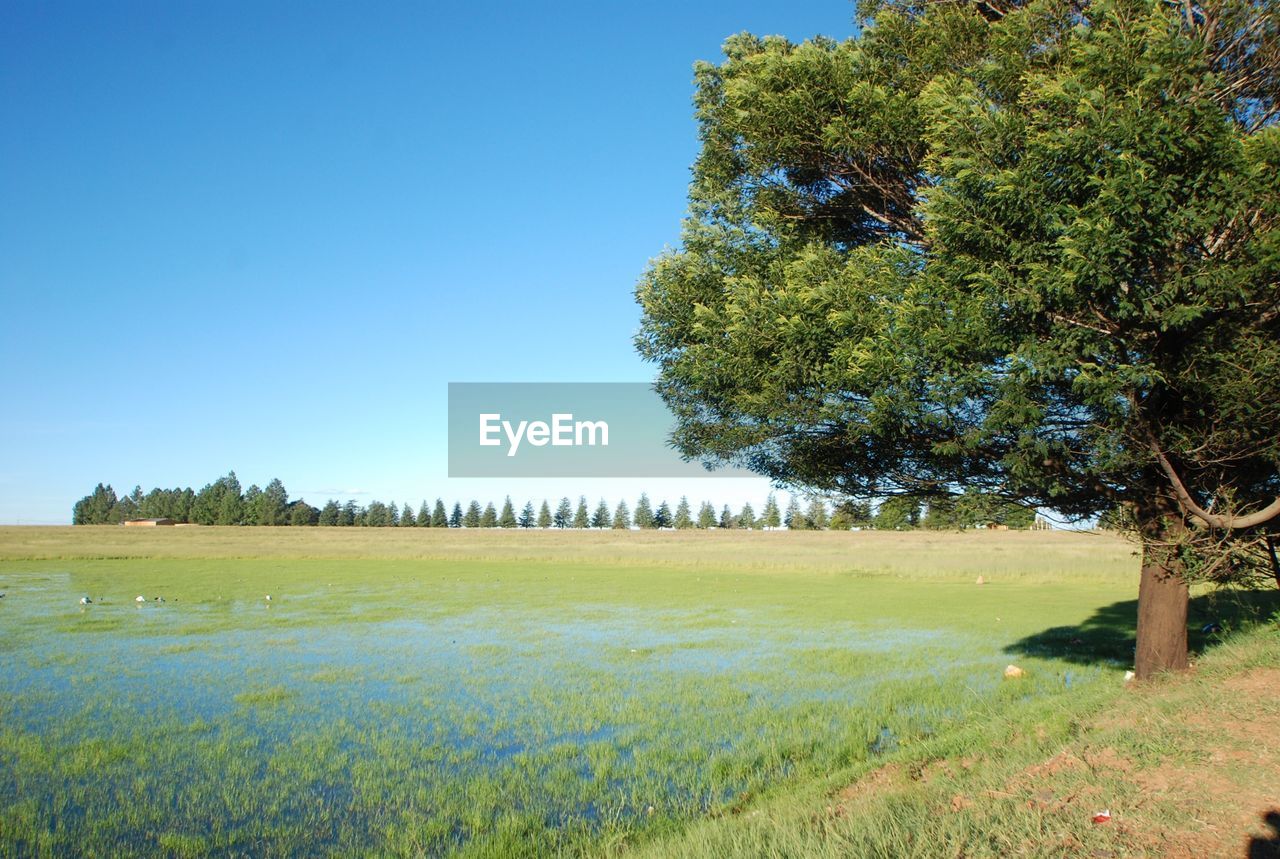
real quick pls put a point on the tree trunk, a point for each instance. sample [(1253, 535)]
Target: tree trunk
[(1275, 560), (1162, 594)]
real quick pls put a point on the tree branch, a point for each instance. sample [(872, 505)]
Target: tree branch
[(1213, 520)]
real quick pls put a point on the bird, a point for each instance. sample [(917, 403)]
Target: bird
[(139, 598), (85, 601), (159, 599), (1211, 628), (268, 597)]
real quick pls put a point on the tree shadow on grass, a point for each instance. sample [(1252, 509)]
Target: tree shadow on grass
[(1109, 635), (1262, 847)]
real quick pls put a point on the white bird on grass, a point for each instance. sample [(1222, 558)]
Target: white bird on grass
[(139, 598), (85, 601)]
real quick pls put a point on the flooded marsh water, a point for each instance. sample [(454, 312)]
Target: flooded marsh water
[(432, 707)]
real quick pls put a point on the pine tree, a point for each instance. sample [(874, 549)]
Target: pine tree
[(329, 515), (407, 519), (850, 514), (816, 517), (489, 518), (129, 507), (455, 517), (706, 516), (424, 515), (564, 514), (273, 503), (683, 518), (527, 516), (726, 518), (771, 518), (899, 513), (253, 505), (350, 512), (581, 519), (392, 516), (601, 518), (544, 515), (644, 513), (662, 518), (747, 517), (302, 514), (622, 517), (375, 515), (98, 505), (438, 517), (472, 517), (508, 517), (793, 519)]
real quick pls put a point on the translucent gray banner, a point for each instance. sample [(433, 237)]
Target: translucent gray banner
[(564, 429)]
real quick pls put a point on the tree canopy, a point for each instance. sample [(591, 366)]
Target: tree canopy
[(1024, 249)]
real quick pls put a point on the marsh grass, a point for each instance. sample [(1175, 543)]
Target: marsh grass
[(513, 694)]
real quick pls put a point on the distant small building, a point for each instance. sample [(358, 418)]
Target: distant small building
[(149, 523)]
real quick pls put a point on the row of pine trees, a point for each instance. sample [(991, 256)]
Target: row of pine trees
[(224, 503)]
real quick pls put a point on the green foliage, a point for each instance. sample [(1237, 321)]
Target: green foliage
[(644, 512), (683, 519), (507, 519), (564, 514), (329, 514), (849, 514), (376, 515), (622, 516), (977, 510), (793, 518), (601, 518), (300, 513), (95, 508), (815, 518), (544, 515), (581, 518), (898, 514), (1017, 249)]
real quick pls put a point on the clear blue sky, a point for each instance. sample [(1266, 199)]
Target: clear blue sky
[(265, 236)]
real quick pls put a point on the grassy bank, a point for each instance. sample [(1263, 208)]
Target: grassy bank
[(1187, 767)]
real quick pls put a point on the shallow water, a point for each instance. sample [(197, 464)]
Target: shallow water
[(377, 720)]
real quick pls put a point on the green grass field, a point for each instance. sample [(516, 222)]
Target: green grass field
[(419, 692)]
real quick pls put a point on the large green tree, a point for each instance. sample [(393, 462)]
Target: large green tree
[(1024, 249)]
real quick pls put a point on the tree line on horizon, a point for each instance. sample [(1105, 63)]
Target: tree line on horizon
[(223, 502)]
